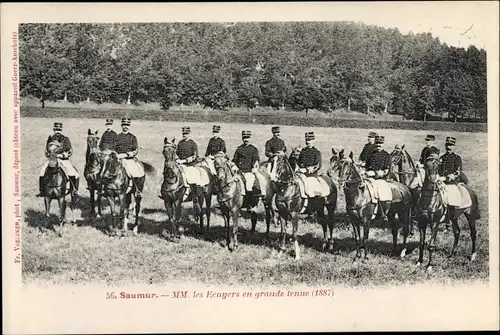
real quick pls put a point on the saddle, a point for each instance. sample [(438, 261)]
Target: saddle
[(195, 175), (312, 186), (455, 195), (379, 189)]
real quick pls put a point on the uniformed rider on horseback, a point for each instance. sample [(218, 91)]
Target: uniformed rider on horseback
[(377, 167), (215, 145), (429, 149), (309, 162), (368, 149), (187, 154), (108, 139), (274, 147), (246, 159), (65, 152), (127, 148)]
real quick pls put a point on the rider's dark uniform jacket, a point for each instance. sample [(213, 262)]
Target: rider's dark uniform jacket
[(368, 150), (187, 148), (108, 140), (379, 160), (310, 156), (215, 145), (126, 142), (426, 152), (65, 144), (274, 145), (245, 157), (451, 163)]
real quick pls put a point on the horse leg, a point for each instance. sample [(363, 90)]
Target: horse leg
[(422, 229), (434, 231), (200, 206), (112, 209), (62, 214), (357, 236), (295, 225), (394, 228), (138, 199), (253, 219), (331, 217), (47, 202), (364, 239), (234, 232), (473, 234), (269, 217), (72, 206), (92, 203), (208, 207), (99, 205), (407, 222), (177, 217), (456, 236), (124, 210), (283, 236), (323, 221)]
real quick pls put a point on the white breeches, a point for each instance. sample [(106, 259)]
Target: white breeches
[(66, 166)]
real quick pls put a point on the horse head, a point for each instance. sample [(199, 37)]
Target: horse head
[(348, 173), (53, 149), (110, 164), (431, 167), (333, 169), (92, 141), (169, 150)]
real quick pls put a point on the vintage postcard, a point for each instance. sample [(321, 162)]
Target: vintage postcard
[(227, 167)]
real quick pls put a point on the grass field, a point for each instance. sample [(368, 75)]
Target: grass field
[(86, 255)]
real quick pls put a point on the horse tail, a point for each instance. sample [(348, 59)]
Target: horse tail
[(150, 170)]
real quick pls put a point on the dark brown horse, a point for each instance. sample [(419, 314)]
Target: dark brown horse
[(117, 185), (431, 209), (290, 203), (173, 189), (229, 189), (361, 209), (57, 186), (93, 163), (404, 170)]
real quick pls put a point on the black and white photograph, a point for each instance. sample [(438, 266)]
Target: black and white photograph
[(287, 157)]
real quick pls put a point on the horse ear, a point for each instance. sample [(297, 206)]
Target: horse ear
[(403, 147), (333, 151), (351, 156), (165, 140), (173, 140)]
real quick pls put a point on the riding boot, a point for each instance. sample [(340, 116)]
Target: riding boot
[(41, 188), (74, 184)]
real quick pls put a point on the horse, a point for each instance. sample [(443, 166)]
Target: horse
[(173, 189), (289, 204), (431, 208), (93, 163), (404, 170), (229, 190), (361, 209), (117, 184), (57, 186)]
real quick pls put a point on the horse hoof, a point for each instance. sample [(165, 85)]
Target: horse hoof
[(135, 230), (473, 257), (418, 264), (324, 246)]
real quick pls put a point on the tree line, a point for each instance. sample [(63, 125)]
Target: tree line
[(324, 66)]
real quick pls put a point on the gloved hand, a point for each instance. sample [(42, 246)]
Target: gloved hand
[(302, 170), (121, 156), (442, 178), (254, 170), (451, 177), (380, 173), (130, 154), (60, 155), (180, 161), (370, 173), (362, 164)]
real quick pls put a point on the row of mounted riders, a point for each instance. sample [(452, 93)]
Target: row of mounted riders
[(293, 183)]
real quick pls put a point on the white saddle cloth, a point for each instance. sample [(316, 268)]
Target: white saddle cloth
[(195, 175), (313, 187), (457, 196), (133, 168), (379, 189)]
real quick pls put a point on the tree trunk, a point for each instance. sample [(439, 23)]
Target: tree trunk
[(348, 104), (128, 99), (43, 102), (385, 108), (65, 97), (88, 100), (307, 111), (425, 116), (367, 109)]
